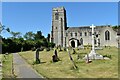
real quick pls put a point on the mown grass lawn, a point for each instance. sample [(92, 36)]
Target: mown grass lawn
[(7, 66), (64, 67)]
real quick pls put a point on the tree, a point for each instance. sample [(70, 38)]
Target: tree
[(2, 27), (116, 26), (29, 35), (48, 37), (15, 34), (38, 35)]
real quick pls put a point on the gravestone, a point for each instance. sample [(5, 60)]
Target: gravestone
[(81, 47), (88, 60), (1, 64), (33, 49), (74, 65), (65, 49), (47, 49), (37, 56), (74, 52), (60, 49), (56, 53), (93, 54), (21, 49), (55, 56), (78, 57)]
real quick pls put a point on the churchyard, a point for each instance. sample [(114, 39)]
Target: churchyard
[(64, 68)]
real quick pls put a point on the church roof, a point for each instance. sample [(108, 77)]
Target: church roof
[(81, 28), (74, 29)]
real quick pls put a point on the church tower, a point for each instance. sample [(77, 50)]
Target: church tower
[(59, 26)]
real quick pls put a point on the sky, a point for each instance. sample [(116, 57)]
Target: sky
[(37, 16)]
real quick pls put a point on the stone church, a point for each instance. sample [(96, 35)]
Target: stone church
[(65, 36)]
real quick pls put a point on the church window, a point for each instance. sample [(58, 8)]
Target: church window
[(71, 34), (85, 33), (95, 42), (90, 33), (75, 34), (107, 35), (56, 16), (80, 34)]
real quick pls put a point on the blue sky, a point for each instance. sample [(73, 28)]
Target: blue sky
[(34, 16)]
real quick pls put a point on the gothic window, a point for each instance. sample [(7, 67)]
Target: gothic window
[(85, 33), (75, 34), (71, 34), (98, 42), (90, 33), (80, 34), (56, 16), (107, 35)]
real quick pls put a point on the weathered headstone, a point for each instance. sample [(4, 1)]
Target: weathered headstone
[(47, 49), (21, 49), (41, 49), (60, 49), (55, 56), (56, 53), (78, 56), (88, 60), (65, 49), (1, 64), (74, 65), (74, 52), (37, 56)]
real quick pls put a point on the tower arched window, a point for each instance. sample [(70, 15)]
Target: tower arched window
[(75, 34), (81, 34), (71, 34), (56, 16), (85, 33), (107, 35)]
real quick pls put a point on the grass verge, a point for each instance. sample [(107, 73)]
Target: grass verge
[(7, 66)]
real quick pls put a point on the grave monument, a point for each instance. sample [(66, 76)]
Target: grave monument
[(93, 54)]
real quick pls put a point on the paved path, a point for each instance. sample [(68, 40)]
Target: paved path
[(22, 69)]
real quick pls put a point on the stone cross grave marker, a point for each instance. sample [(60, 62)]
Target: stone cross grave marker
[(92, 54)]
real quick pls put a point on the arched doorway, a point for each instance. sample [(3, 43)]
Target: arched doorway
[(73, 44)]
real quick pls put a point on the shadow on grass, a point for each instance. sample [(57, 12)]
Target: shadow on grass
[(34, 63)]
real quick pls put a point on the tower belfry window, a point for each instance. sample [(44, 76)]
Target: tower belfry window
[(85, 33), (75, 34), (56, 16)]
